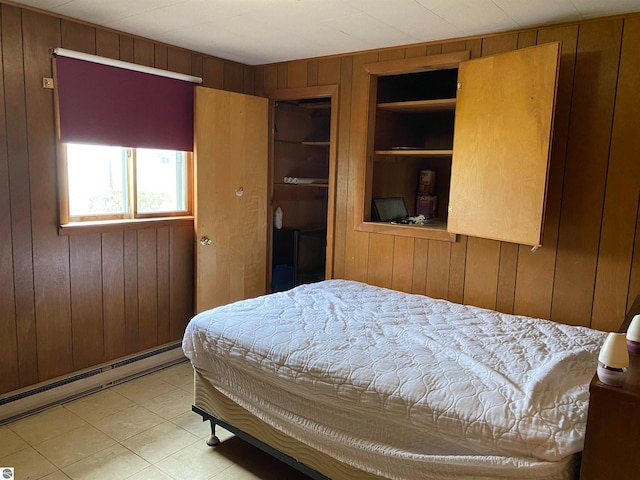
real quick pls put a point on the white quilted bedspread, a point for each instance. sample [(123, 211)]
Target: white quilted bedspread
[(401, 375)]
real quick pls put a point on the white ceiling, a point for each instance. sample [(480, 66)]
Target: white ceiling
[(266, 31)]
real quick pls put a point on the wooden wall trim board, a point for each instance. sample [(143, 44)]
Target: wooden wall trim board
[(141, 291)]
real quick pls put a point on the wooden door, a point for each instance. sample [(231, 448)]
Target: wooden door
[(231, 158), (502, 143)]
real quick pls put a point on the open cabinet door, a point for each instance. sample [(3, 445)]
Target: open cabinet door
[(231, 167), (502, 143)]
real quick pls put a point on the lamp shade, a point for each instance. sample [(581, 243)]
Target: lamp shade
[(633, 332), (614, 352), (633, 336)]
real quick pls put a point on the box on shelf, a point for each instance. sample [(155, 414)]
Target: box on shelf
[(426, 182), (427, 205)]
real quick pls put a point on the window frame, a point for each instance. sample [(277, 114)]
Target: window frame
[(131, 218)]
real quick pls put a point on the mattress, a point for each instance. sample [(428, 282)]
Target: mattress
[(404, 386)]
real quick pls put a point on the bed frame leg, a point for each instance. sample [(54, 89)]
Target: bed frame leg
[(213, 440)]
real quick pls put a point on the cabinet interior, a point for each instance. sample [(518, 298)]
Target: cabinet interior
[(412, 122), (300, 174)]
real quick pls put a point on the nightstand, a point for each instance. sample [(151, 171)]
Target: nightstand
[(612, 441)]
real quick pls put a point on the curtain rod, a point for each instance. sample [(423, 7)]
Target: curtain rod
[(63, 52)]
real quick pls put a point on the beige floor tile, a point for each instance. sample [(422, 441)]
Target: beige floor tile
[(45, 425), (99, 405), (113, 463), (170, 404), (249, 463), (143, 389), (75, 445), (235, 472), (127, 423), (151, 473), (58, 475), (189, 389), (195, 462), (179, 375), (10, 442), (28, 464), (159, 442), (192, 423)]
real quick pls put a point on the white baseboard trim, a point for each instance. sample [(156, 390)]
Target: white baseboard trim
[(35, 398)]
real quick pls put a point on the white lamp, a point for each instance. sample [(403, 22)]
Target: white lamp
[(633, 335), (613, 359)]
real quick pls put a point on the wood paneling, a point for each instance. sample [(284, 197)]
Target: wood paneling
[(621, 190), (86, 300), (212, 73), (50, 252), (113, 312), (297, 74), (19, 197), (108, 44), (536, 270), (403, 250), (481, 275), (592, 104), (507, 277), (163, 252), (457, 265), (419, 274), (438, 264), (8, 341), (380, 272), (143, 52), (147, 288), (69, 302), (342, 167), (588, 269)]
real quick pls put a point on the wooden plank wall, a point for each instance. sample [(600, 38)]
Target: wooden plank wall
[(70, 302), (588, 270)]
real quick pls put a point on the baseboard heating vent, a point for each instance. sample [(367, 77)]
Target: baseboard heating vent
[(33, 399)]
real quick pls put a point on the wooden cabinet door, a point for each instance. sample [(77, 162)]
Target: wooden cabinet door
[(231, 165), (502, 143)]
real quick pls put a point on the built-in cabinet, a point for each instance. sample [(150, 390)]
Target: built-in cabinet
[(302, 178), (464, 142)]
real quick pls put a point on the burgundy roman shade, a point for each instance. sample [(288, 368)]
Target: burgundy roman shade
[(107, 105)]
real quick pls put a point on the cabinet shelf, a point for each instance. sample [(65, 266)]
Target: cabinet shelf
[(320, 143), (439, 105), (317, 185), (436, 229), (415, 153)]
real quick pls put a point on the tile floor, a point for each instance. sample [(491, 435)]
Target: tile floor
[(143, 429)]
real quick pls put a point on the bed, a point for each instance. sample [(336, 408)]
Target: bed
[(346, 380)]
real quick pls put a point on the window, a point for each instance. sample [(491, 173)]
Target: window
[(110, 183), (100, 102)]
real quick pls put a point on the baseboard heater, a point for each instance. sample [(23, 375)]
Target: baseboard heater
[(32, 399)]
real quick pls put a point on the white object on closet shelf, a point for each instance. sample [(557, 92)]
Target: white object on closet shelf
[(277, 218)]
